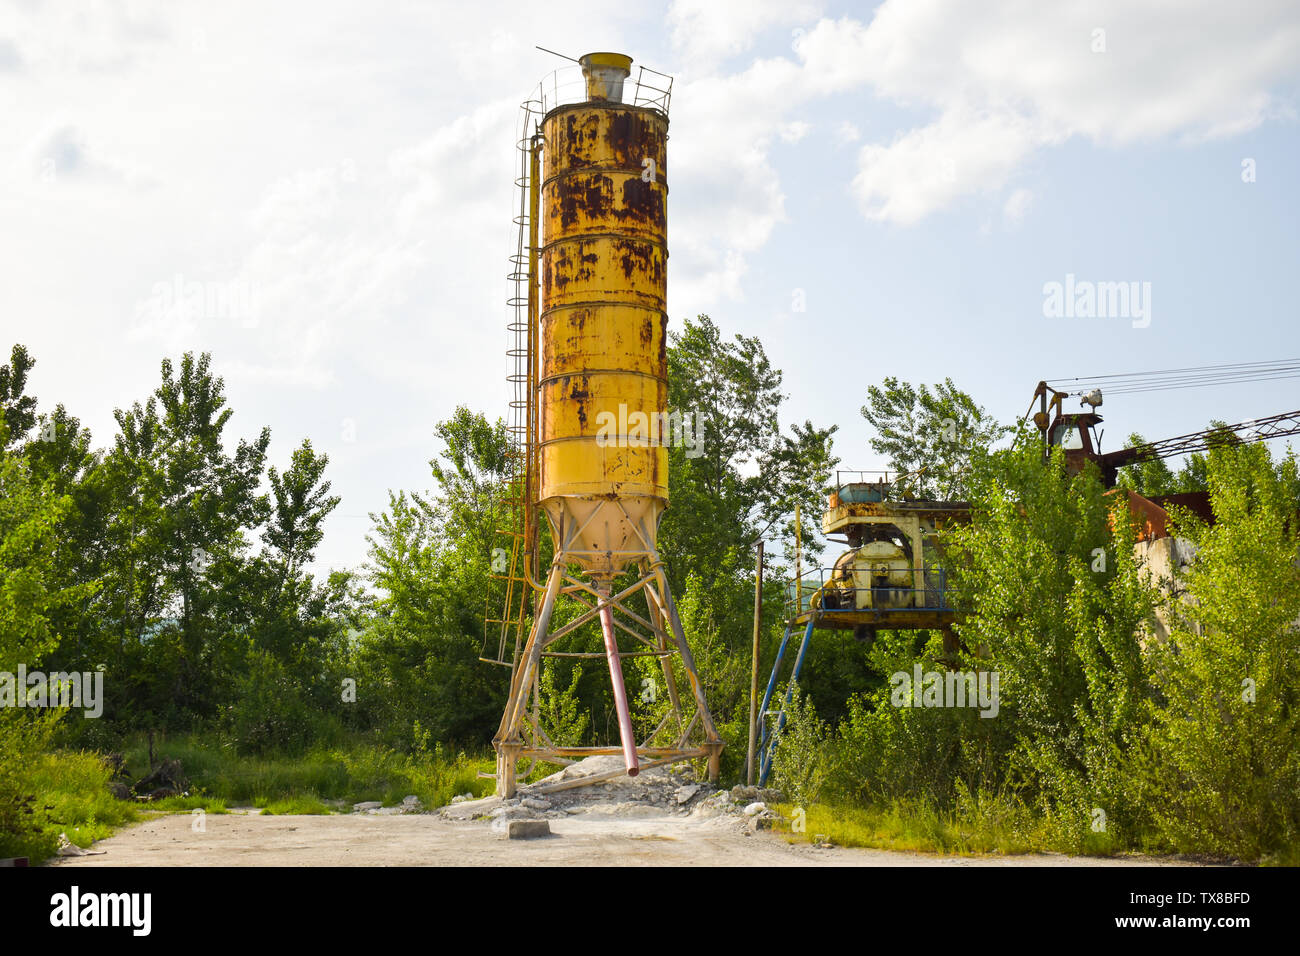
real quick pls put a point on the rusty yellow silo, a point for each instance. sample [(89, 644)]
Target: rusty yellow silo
[(597, 284), (603, 385)]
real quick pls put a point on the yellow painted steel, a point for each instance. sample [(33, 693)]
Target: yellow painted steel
[(603, 273)]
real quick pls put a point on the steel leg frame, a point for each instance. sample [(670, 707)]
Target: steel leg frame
[(768, 750), (510, 741)]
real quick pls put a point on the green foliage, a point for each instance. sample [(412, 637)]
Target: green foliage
[(1155, 477), (339, 776), (30, 594), (430, 558), (305, 804), (749, 475), (980, 824), (301, 502), (17, 408), (941, 431), (563, 718), (799, 765), (72, 798), (1222, 765), (270, 714), (1055, 603)]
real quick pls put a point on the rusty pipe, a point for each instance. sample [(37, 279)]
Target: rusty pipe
[(625, 732)]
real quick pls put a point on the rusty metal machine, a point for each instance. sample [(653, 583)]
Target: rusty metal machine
[(591, 433), (1076, 434), (891, 577)]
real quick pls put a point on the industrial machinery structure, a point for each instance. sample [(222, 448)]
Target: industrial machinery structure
[(590, 428), (1077, 435), (892, 577)]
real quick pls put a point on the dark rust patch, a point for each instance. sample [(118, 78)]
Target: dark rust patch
[(587, 202), (632, 136), (642, 202), (637, 257), (579, 393), (577, 139)]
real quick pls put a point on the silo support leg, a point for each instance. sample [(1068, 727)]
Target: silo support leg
[(688, 661), (507, 742)]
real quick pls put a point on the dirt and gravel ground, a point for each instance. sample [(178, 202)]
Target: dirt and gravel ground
[(659, 819), (426, 840)]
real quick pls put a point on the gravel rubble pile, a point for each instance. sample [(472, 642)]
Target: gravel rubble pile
[(669, 790)]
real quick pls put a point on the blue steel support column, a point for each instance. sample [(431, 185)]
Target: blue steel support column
[(766, 766), (771, 686)]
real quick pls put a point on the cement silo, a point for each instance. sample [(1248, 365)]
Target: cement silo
[(598, 422)]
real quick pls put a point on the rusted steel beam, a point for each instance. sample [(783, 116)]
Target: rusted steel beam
[(625, 731)]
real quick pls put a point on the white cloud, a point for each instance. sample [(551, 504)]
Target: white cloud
[(11, 61), (1012, 79), (727, 195), (1017, 205), (63, 152), (991, 88), (793, 132), (931, 166), (708, 31)]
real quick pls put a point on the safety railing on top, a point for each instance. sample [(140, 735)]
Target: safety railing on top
[(650, 89), (890, 485), (814, 589)]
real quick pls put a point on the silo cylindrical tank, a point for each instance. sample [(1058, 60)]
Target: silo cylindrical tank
[(603, 384)]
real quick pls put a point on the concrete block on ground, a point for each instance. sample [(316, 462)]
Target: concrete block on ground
[(527, 829)]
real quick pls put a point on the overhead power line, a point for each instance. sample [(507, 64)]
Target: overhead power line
[(1127, 383)]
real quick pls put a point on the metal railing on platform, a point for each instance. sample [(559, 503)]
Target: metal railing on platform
[(652, 89), (815, 589)]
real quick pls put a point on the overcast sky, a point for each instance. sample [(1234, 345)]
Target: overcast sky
[(336, 178)]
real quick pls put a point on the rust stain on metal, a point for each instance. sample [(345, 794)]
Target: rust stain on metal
[(603, 291), (578, 394)]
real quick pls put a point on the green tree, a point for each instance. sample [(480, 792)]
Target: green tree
[(1224, 768), (300, 504), (30, 596), (1155, 477), (938, 433), (1054, 603), (18, 408), (184, 505), (430, 562)]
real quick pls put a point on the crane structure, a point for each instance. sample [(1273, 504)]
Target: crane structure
[(590, 424), (1077, 435)]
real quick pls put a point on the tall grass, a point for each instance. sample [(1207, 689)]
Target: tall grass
[(72, 797), (344, 775), (72, 793), (919, 827)]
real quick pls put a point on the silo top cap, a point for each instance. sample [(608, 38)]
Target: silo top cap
[(605, 73)]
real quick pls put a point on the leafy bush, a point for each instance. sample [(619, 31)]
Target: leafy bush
[(71, 796), (1222, 767), (268, 711), (801, 763)]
